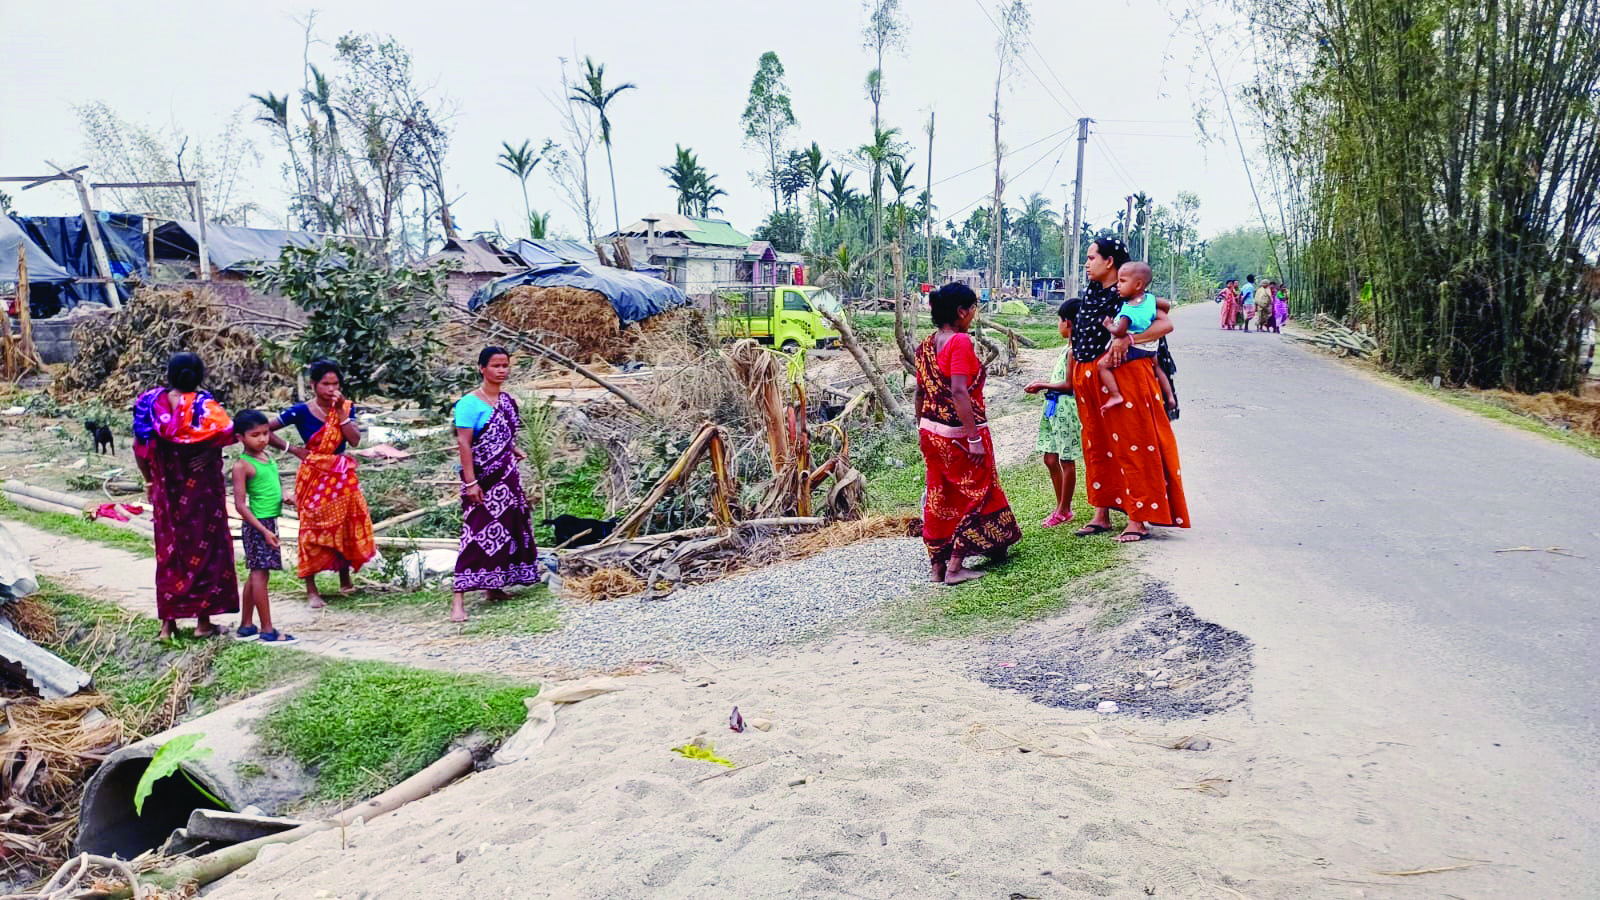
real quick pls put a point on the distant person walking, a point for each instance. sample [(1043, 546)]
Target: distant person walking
[(1130, 456), (1247, 301), (497, 548), (965, 512), (1280, 309), (335, 525), (179, 431), (1229, 298)]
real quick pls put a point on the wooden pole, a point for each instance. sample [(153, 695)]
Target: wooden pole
[(9, 358), (200, 230), (102, 262), (29, 353)]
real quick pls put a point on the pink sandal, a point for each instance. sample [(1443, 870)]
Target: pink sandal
[(1054, 519)]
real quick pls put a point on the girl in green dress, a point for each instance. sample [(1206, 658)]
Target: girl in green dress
[(1058, 427)]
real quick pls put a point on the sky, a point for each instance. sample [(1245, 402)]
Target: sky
[(187, 65)]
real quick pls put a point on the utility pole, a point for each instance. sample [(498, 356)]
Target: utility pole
[(1074, 272), (1127, 221)]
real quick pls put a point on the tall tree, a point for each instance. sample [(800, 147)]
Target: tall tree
[(1034, 221), (520, 162), (123, 150), (878, 154), (927, 202), (816, 166), (569, 165), (594, 94), (886, 29), (1014, 20), (768, 117), (696, 187)]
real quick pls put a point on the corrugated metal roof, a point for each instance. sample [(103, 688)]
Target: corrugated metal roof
[(717, 233)]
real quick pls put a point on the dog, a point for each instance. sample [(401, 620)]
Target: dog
[(103, 442), (576, 531)]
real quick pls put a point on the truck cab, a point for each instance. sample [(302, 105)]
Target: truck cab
[(787, 316)]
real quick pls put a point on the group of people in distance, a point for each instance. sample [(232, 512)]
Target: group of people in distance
[(180, 431), (1268, 307), (1107, 401)]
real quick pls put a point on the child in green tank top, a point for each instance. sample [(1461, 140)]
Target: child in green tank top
[(258, 496)]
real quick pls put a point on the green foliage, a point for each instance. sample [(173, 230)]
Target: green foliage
[(768, 117), (706, 754), (1450, 152), (169, 758), (785, 230), (529, 611), (244, 668), (374, 320), (1240, 252), (364, 726), (696, 187)]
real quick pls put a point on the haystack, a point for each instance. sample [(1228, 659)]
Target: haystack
[(582, 324), (123, 354), (1580, 414)]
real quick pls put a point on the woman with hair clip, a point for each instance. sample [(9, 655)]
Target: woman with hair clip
[(497, 548), (965, 513), (1130, 456)]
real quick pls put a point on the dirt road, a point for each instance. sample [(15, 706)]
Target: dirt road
[(1416, 691)]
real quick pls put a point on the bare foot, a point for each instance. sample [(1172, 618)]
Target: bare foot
[(938, 573), (168, 626), (1116, 400), (959, 575), (315, 601), (458, 608)]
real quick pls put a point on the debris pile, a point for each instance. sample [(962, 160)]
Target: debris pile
[(1580, 414), (1328, 333), (121, 355), (581, 324)]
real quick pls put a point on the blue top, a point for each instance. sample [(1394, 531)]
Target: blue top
[(1248, 291), (1140, 315), (299, 415), (472, 412)]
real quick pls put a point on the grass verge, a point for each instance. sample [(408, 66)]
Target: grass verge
[(361, 726), (529, 611), (365, 726), (1040, 577)]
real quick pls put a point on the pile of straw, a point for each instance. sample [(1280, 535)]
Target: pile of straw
[(603, 584), (576, 322), (123, 354), (1581, 414), (45, 757)]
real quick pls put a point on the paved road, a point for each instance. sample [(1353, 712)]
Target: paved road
[(1420, 694)]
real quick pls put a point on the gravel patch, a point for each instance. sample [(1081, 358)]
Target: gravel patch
[(731, 618), (1161, 662)]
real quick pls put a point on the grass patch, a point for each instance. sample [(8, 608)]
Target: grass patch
[(1034, 582), (244, 668), (1473, 402), (574, 489), (363, 726), (530, 611), (69, 525)]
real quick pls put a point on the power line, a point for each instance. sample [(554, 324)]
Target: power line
[(988, 163), (990, 193)]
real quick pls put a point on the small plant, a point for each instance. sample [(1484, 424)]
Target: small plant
[(169, 759)]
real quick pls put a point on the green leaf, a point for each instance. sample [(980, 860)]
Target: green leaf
[(168, 759), (695, 751)]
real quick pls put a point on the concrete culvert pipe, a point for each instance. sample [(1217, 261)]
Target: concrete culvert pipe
[(237, 771)]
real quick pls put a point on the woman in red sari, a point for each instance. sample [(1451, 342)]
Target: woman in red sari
[(965, 512), (179, 432), (335, 524)]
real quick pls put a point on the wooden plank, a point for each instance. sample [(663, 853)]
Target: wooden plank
[(102, 262)]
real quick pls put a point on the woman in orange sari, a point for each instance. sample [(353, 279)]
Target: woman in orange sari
[(1130, 456), (335, 525), (965, 513), (179, 431)]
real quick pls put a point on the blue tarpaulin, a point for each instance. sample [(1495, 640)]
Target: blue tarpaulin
[(634, 296), (41, 268), (548, 252), (67, 241)]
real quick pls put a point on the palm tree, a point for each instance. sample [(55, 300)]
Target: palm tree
[(275, 112), (815, 168), (705, 191), (839, 192), (1035, 219), (521, 161), (880, 152), (900, 184), (538, 225), (593, 92), (684, 174)]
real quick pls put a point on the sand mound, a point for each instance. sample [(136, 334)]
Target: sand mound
[(125, 353)]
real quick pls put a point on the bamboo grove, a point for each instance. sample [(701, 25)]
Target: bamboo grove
[(1435, 163)]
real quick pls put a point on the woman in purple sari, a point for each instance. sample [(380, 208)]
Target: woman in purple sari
[(497, 548)]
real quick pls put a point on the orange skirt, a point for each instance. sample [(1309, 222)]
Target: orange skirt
[(335, 526), (965, 513), (1130, 456)]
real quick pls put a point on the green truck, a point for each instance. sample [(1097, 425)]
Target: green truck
[(782, 315)]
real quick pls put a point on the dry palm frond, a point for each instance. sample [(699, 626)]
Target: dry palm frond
[(604, 584)]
